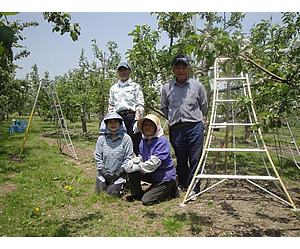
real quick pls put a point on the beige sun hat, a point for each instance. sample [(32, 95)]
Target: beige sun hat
[(151, 117)]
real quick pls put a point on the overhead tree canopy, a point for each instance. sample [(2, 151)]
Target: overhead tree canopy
[(269, 53)]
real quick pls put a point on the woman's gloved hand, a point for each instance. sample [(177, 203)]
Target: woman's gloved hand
[(108, 178), (117, 175)]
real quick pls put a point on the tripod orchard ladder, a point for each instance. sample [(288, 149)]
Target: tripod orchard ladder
[(228, 100), (60, 119)]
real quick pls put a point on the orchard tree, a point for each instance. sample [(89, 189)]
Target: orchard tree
[(272, 56), (62, 24), (269, 53), (144, 58), (102, 77), (20, 96), (73, 90), (175, 24), (45, 105), (11, 38), (85, 90), (152, 66), (66, 92), (216, 38)]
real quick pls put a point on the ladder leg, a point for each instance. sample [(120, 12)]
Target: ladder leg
[(30, 119), (267, 152)]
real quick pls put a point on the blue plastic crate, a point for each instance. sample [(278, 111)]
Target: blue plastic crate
[(18, 126)]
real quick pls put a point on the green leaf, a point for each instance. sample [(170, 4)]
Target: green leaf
[(9, 13), (1, 49), (74, 36), (55, 29), (211, 47), (195, 36), (211, 60), (210, 203), (189, 48), (239, 67), (6, 36)]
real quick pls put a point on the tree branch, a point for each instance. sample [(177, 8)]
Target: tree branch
[(157, 111), (290, 79), (266, 71)]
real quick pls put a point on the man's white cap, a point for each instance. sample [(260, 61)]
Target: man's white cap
[(123, 64)]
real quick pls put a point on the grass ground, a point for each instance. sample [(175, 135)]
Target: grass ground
[(46, 193)]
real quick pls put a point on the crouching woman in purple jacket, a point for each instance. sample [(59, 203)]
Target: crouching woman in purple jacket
[(154, 165)]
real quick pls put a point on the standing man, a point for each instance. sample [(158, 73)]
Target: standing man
[(184, 102), (127, 99)]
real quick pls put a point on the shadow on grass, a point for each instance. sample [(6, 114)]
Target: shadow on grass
[(252, 230), (67, 228), (195, 221)]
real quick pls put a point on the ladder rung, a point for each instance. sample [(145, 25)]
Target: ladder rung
[(228, 79), (231, 124), (234, 150), (225, 100), (283, 156), (270, 178), (222, 59), (282, 141)]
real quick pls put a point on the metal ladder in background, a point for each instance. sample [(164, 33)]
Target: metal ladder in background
[(285, 140), (226, 104), (61, 120)]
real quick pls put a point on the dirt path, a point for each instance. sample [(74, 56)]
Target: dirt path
[(233, 208), (85, 159), (244, 210), (7, 187)]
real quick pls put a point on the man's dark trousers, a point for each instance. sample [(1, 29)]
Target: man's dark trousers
[(187, 143), (136, 138)]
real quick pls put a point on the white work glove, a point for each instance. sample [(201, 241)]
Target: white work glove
[(132, 167), (137, 164), (135, 128), (137, 159), (128, 167)]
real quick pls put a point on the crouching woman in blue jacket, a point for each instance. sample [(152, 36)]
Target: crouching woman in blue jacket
[(113, 151), (154, 165)]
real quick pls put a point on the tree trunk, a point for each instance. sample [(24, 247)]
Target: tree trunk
[(102, 111), (2, 116), (247, 132), (101, 117), (83, 121)]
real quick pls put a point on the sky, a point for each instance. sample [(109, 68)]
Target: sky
[(57, 53)]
